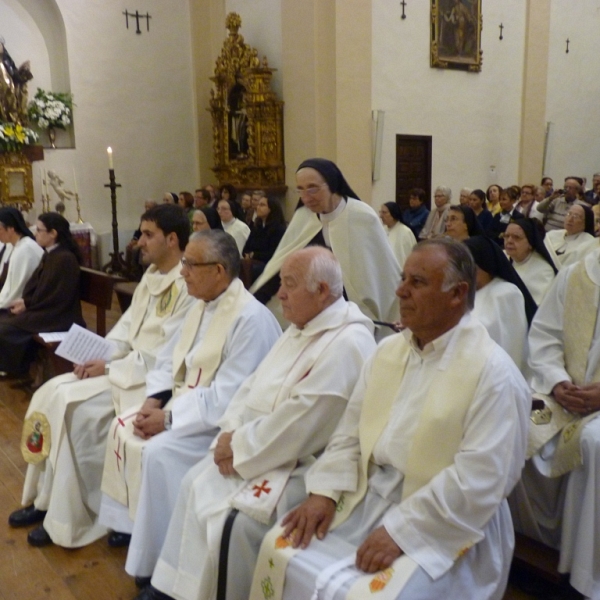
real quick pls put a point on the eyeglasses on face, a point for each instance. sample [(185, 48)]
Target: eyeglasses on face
[(190, 264), (311, 190)]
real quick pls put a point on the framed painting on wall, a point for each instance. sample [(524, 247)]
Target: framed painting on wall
[(456, 34)]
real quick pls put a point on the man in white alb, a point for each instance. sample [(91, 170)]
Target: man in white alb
[(279, 419), (413, 481), (222, 340), (64, 473)]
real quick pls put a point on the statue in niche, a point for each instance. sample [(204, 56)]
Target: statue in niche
[(238, 123), (13, 88)]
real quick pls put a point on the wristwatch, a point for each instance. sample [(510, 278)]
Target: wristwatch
[(168, 420)]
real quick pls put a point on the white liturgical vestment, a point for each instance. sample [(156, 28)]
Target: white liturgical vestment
[(23, 259), (80, 410), (454, 527), (282, 415), (536, 274), (402, 241)]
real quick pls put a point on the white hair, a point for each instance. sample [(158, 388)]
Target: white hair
[(444, 189), (324, 268), (466, 191)]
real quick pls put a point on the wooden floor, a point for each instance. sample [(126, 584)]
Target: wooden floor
[(91, 573)]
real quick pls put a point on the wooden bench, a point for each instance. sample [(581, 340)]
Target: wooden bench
[(95, 288)]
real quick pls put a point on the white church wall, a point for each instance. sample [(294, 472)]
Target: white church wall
[(132, 92), (573, 91), (474, 118)]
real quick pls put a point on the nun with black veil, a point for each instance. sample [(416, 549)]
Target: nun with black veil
[(502, 301), (331, 214)]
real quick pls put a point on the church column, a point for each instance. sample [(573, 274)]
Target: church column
[(535, 76), (326, 63), (208, 32)]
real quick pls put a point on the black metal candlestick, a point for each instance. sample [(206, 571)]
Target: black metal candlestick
[(116, 265)]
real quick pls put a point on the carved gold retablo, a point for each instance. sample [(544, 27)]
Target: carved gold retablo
[(247, 116)]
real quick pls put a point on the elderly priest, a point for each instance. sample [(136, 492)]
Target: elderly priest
[(414, 480), (280, 418), (68, 419), (223, 339)]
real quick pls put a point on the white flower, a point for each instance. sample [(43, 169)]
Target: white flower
[(43, 123)]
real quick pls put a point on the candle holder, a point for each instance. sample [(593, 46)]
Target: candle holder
[(116, 265), (79, 219)]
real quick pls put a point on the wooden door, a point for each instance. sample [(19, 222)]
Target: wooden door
[(413, 166)]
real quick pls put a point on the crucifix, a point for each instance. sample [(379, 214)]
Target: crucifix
[(403, 4), (567, 51), (501, 29), (137, 17)]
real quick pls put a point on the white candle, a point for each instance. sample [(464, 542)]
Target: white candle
[(75, 180), (110, 158)]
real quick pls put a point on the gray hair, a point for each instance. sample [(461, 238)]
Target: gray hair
[(445, 190), (220, 248), (595, 175), (324, 268), (461, 265), (466, 191)]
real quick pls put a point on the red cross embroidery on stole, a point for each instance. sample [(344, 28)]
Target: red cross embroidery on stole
[(261, 488)]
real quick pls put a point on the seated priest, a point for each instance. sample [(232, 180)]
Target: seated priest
[(408, 499), (557, 500), (331, 215), (67, 422), (282, 416), (224, 337)]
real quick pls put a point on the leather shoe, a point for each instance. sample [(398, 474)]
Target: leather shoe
[(142, 582), (151, 593), (39, 537), (117, 539), (26, 516)]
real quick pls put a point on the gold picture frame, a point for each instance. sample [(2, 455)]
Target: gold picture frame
[(16, 181), (456, 34)]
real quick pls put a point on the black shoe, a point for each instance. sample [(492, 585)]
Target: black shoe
[(116, 539), (151, 593), (39, 537), (26, 516), (142, 582)]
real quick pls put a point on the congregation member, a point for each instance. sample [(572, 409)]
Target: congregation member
[(558, 498), (478, 204), (236, 228), (463, 199), (493, 197), (170, 198), (592, 197), (210, 188), (206, 218), (223, 339), (500, 221), (555, 207), (502, 302), (524, 245), (415, 216), (77, 408), (527, 204), (201, 198), (265, 235), (246, 204), (570, 244), (462, 223), (408, 499), (331, 215), (255, 198), (400, 237), (435, 225), (21, 256), (281, 417), (548, 184), (50, 300)]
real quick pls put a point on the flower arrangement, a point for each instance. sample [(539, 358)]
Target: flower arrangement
[(14, 137), (49, 110)]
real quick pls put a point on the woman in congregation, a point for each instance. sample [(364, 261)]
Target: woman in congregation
[(524, 245), (400, 237), (50, 299), (462, 223), (493, 197), (567, 246), (415, 216), (478, 204), (206, 218), (21, 255), (502, 301), (170, 198), (232, 225), (265, 235)]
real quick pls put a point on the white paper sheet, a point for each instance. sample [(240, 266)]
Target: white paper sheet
[(81, 345), (57, 336)]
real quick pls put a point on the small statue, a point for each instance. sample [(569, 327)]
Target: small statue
[(13, 88), (56, 183)]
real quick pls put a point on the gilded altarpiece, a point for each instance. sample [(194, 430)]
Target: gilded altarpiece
[(247, 116)]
